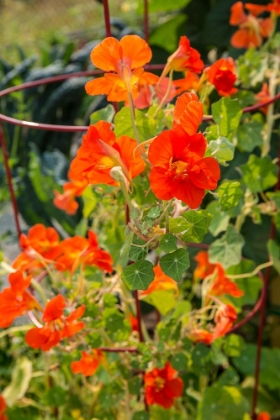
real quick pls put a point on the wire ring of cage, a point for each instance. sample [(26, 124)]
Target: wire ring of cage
[(74, 128)]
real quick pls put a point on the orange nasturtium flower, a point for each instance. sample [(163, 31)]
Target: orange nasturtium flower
[(162, 386), (184, 58), (221, 285), (101, 151), (78, 251), (133, 323), (16, 300), (161, 282), (57, 325), (72, 189), (264, 415), (188, 113), (274, 7), (222, 75), (124, 60), (263, 96), (180, 169), (144, 99), (224, 319), (89, 362), (3, 407), (41, 243), (251, 30), (189, 82)]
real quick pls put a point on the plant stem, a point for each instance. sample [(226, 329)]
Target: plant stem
[(166, 93), (252, 273)]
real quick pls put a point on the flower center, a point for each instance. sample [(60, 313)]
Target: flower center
[(179, 169), (159, 383)]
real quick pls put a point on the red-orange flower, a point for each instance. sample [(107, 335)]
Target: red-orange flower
[(78, 251), (161, 282), (89, 362), (133, 323), (101, 151), (189, 82), (264, 415), (251, 30), (57, 325), (263, 96), (224, 318), (201, 336), (184, 58), (66, 201), (179, 167), (162, 386), (274, 7), (144, 99), (3, 407), (16, 300), (125, 58), (40, 243), (188, 113), (220, 284), (222, 75)]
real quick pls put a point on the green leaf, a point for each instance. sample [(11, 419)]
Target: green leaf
[(89, 200), (139, 275), (168, 243), (222, 149), (198, 225), (251, 67), (229, 193), (226, 113), (21, 376), (274, 253), (147, 127), (227, 249), (127, 244), (55, 397), (220, 403), (113, 319), (141, 415), (251, 285), (175, 264), (178, 225), (136, 253), (134, 385), (105, 114), (220, 220), (233, 345), (162, 6), (166, 34), (259, 174), (162, 300), (249, 135), (179, 361), (154, 212), (182, 311)]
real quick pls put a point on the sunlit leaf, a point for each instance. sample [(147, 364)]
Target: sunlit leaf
[(227, 249)]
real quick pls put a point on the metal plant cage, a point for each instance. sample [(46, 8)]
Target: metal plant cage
[(260, 305)]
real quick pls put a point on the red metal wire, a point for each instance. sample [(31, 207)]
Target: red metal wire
[(107, 17), (9, 179)]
